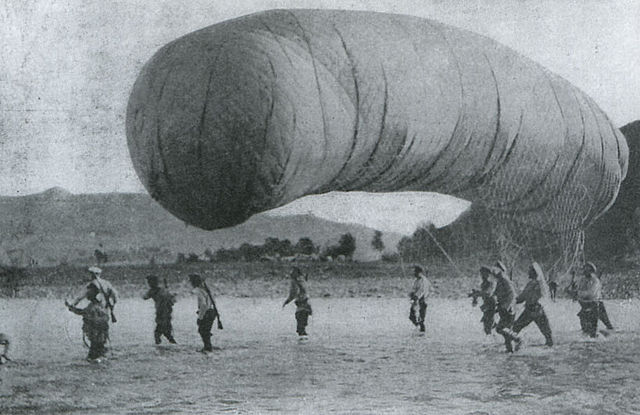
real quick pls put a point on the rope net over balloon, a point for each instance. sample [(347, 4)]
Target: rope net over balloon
[(252, 113)]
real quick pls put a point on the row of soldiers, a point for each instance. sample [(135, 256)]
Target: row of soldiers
[(102, 298), (496, 290), (499, 297)]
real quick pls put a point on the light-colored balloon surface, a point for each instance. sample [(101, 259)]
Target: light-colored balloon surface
[(252, 113)]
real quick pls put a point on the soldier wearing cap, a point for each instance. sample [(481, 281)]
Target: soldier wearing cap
[(505, 294), (589, 295), (164, 301), (107, 295), (419, 294), (535, 289)]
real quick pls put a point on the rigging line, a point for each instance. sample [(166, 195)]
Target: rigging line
[(444, 252)]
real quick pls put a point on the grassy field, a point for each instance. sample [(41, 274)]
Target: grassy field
[(268, 279)]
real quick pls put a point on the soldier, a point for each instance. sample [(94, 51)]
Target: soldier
[(164, 301), (95, 322), (602, 311), (207, 311), (486, 292), (298, 292), (419, 294), (589, 294), (4, 342), (107, 295), (535, 289), (505, 294)]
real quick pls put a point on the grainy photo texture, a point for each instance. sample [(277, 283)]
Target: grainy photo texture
[(319, 207)]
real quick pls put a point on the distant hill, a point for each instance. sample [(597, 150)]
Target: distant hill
[(56, 226), (618, 230)]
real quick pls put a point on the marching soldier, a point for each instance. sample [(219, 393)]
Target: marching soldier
[(533, 311), (164, 302), (207, 311), (602, 311), (298, 292), (107, 295), (419, 294), (589, 294), (505, 294)]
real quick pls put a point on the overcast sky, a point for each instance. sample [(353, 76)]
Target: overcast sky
[(66, 69)]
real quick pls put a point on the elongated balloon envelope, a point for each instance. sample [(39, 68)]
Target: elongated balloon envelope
[(252, 113)]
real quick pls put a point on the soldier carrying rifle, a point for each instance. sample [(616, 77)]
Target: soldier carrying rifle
[(107, 295)]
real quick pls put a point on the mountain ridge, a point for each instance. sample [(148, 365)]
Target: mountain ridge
[(56, 226)]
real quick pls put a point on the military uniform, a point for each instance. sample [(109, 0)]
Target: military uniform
[(207, 313), (164, 302), (533, 310), (95, 326), (488, 308), (505, 294), (298, 292), (107, 295), (419, 294), (589, 293)]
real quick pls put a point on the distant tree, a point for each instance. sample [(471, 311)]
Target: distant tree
[(286, 248), (181, 258), (305, 246), (376, 242), (420, 246), (226, 255), (347, 245), (250, 252), (271, 246), (192, 258), (209, 255)]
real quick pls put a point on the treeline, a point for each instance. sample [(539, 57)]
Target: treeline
[(422, 245), (277, 249)]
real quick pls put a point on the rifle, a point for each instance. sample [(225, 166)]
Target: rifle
[(206, 288), (106, 299)]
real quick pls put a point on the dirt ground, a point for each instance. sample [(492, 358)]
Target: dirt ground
[(362, 356)]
